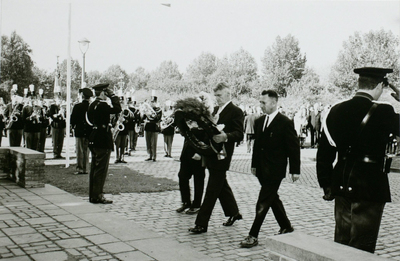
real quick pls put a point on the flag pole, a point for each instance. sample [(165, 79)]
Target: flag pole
[(68, 107)]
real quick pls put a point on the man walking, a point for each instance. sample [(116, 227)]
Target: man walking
[(355, 133), (100, 139), (218, 188), (275, 142)]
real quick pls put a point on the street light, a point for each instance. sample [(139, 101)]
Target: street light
[(83, 46)]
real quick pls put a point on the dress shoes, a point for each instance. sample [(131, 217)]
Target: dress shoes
[(183, 207), (285, 230), (198, 229), (117, 161), (232, 220), (192, 211), (123, 161), (101, 201), (249, 242), (148, 159), (154, 160)]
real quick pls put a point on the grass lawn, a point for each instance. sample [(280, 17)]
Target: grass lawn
[(120, 179)]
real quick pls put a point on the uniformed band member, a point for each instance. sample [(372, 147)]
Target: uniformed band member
[(121, 140), (31, 115), (152, 128), (57, 114), (14, 123), (357, 131), (169, 131), (45, 123), (81, 130), (134, 122), (100, 139), (191, 165)]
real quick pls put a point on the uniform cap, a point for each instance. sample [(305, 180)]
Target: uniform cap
[(86, 92), (373, 72), (101, 86)]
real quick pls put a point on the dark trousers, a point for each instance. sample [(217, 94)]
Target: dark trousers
[(120, 144), (58, 140), (32, 140), (42, 139), (15, 137), (98, 171), (217, 188), (357, 223), (187, 170), (1, 135), (133, 136), (151, 143), (168, 139), (82, 153), (312, 134), (269, 198)]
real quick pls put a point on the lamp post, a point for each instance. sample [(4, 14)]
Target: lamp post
[(83, 46)]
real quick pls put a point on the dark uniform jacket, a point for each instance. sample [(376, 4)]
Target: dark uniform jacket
[(232, 117), (125, 122), (78, 120), (153, 123), (186, 158), (31, 124), (19, 124), (358, 175), (58, 121), (273, 147), (99, 116)]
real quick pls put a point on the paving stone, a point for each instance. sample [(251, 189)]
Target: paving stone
[(102, 239), (5, 241), (77, 224), (116, 247), (27, 238), (88, 231), (133, 255), (19, 230), (72, 243), (51, 256), (40, 220)]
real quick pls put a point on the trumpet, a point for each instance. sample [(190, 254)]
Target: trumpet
[(61, 112), (35, 116)]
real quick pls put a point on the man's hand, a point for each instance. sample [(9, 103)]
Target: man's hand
[(295, 177), (196, 157), (109, 92), (328, 194), (396, 93), (253, 171), (220, 137)]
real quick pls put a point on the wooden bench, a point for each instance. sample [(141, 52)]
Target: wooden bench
[(22, 165)]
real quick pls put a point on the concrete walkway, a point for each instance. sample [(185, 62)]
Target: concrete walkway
[(50, 224)]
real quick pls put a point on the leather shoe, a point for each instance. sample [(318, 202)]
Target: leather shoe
[(232, 220), (101, 200), (183, 207), (285, 230), (198, 229), (249, 242), (148, 159), (192, 211)]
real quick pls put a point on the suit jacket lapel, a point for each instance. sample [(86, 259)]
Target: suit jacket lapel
[(273, 122)]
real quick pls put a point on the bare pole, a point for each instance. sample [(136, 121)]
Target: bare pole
[(68, 88)]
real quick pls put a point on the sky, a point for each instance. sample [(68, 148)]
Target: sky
[(146, 32)]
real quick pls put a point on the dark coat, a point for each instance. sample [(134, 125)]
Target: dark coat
[(359, 176), (30, 124), (19, 124), (153, 123), (186, 157), (232, 117), (58, 120), (78, 119), (99, 116), (273, 148)]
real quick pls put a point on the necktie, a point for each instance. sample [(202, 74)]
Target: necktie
[(266, 122)]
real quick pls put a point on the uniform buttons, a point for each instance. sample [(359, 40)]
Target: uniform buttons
[(341, 187), (350, 188)]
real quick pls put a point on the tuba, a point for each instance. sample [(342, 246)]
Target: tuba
[(194, 120)]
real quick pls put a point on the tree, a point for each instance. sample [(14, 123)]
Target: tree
[(138, 80), (198, 73), (16, 62), (283, 63), (93, 78), (43, 80), (373, 49), (116, 77), (166, 77)]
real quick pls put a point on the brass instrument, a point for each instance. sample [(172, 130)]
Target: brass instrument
[(13, 116), (167, 121), (36, 114), (61, 112), (146, 109), (119, 125)]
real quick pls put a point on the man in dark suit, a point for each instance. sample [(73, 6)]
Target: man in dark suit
[(218, 188), (81, 130), (356, 132), (15, 123), (275, 142), (100, 139), (57, 113), (191, 165), (31, 117)]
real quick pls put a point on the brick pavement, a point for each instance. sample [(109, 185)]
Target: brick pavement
[(31, 228), (303, 201)]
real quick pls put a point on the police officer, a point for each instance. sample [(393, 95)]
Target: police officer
[(357, 131), (100, 139), (81, 130)]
